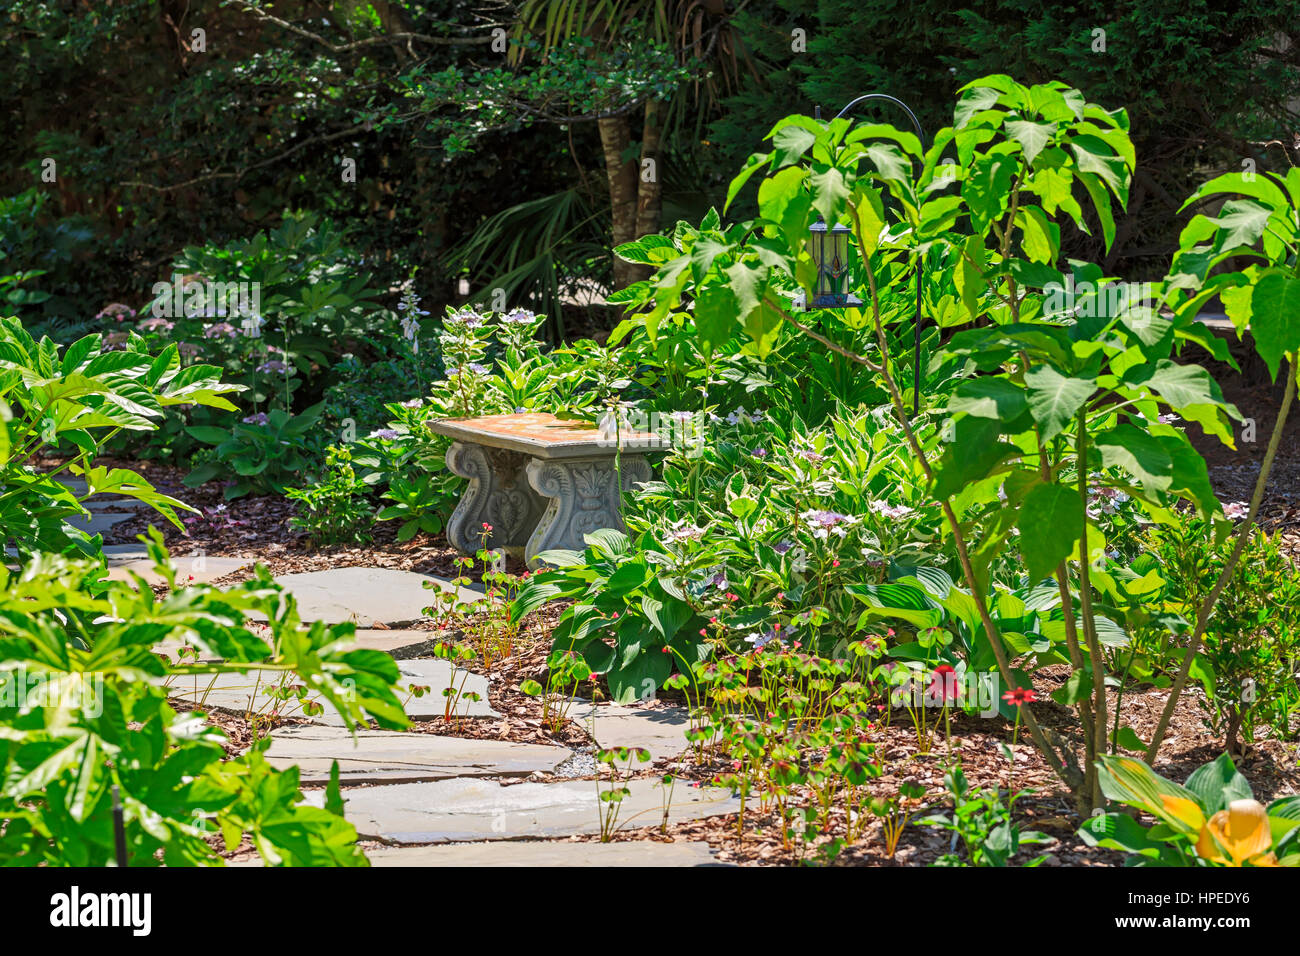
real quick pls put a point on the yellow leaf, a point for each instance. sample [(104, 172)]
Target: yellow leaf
[(1183, 810)]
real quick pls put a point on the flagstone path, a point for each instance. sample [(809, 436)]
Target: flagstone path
[(459, 801), (464, 809), (548, 853)]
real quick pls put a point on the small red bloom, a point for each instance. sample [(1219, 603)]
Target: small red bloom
[(835, 563), (486, 526), (943, 682), (703, 633), (669, 650), (1020, 696)]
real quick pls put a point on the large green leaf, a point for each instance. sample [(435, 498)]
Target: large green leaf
[(1242, 222), (989, 397), (976, 449), (1031, 136), (1054, 398), (1140, 454), (1051, 523), (1275, 318)]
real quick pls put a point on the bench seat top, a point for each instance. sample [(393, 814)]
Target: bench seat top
[(542, 435)]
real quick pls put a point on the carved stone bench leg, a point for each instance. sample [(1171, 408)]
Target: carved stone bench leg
[(498, 493), (584, 496)]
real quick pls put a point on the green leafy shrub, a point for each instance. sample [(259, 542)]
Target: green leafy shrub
[(334, 510), (1061, 386), (261, 454), (629, 621), (299, 284), (74, 399), (1246, 667), (85, 713)]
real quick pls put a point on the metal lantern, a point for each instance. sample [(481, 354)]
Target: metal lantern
[(829, 248)]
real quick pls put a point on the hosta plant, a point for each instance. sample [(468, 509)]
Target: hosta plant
[(1213, 819), (630, 622), (261, 454)]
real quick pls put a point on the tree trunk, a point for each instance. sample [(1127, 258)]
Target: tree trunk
[(650, 186), (616, 139)]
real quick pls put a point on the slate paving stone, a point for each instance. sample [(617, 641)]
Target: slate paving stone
[(125, 553), (436, 675), (367, 596), (661, 730), (402, 644), (240, 692), (98, 522), (202, 570), (462, 810), (377, 756), (548, 853), (103, 503)]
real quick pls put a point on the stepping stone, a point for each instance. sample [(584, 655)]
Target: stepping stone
[(99, 504), (202, 569), (436, 675), (462, 810), (402, 644), (366, 596), (378, 756), (125, 553), (660, 730), (240, 692), (548, 853), (98, 522)]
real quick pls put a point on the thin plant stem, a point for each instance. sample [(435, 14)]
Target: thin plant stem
[(1243, 534)]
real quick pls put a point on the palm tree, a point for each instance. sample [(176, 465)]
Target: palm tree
[(695, 30)]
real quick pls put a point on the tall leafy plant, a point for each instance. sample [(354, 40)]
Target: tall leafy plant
[(71, 401), (1061, 378)]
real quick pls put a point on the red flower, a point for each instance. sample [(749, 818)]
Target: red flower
[(703, 633), (669, 650), (943, 683), (486, 526), (835, 563), (1020, 695)]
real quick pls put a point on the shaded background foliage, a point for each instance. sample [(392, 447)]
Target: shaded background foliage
[(159, 145)]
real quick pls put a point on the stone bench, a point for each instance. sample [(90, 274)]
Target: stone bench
[(541, 482)]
